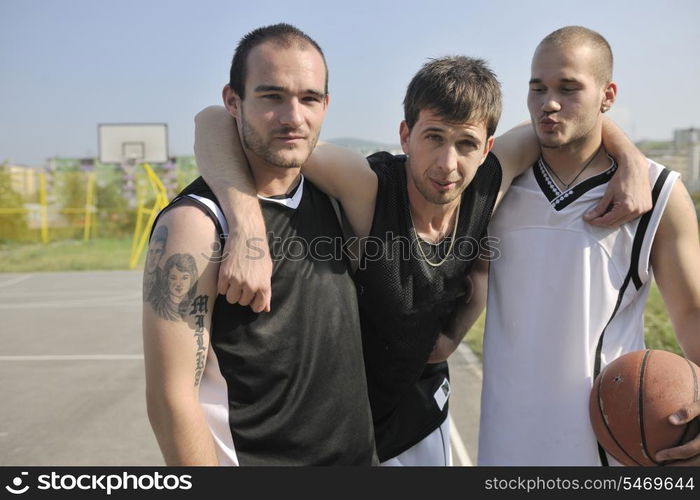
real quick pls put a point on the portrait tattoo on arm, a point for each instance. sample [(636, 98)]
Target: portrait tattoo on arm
[(176, 288), (172, 292)]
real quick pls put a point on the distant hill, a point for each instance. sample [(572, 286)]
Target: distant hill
[(364, 146)]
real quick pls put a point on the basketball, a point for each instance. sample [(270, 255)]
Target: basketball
[(631, 401)]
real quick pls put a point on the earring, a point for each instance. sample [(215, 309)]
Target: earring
[(604, 108)]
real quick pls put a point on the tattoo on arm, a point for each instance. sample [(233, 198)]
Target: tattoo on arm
[(172, 292), (199, 311), (175, 288)]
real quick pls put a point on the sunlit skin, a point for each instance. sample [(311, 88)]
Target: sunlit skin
[(285, 102), (443, 158), (565, 99), (179, 283)]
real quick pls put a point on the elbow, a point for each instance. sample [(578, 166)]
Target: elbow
[(162, 407)]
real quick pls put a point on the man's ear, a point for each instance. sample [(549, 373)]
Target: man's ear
[(609, 96), (487, 148), (232, 102), (404, 134)]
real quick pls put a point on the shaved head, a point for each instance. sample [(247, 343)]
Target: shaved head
[(576, 36)]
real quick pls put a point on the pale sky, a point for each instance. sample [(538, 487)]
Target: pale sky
[(67, 65)]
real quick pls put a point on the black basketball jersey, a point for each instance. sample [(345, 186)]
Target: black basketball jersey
[(292, 380), (405, 302)]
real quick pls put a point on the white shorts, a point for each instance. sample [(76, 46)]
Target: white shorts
[(433, 450)]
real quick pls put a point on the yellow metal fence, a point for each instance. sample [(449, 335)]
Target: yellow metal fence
[(62, 203)]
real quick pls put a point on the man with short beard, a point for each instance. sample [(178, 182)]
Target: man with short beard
[(228, 386)]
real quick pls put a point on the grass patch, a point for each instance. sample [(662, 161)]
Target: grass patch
[(66, 255), (475, 336), (658, 332)]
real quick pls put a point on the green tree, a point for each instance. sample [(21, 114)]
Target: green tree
[(12, 226)]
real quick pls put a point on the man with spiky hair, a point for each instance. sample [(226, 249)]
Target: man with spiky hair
[(225, 385), (566, 298)]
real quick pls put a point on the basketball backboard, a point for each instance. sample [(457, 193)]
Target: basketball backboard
[(133, 142)]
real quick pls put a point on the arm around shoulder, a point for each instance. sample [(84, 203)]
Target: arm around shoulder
[(224, 167), (347, 177), (628, 195), (516, 150)]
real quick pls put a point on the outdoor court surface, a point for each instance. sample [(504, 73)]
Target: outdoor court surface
[(72, 379)]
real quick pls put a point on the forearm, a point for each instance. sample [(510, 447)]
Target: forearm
[(223, 165), (466, 314), (628, 194), (464, 317), (244, 277), (182, 432)]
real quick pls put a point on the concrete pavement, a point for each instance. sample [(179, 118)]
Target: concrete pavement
[(72, 379)]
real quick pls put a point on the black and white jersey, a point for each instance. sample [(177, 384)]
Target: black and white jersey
[(288, 387), (565, 299), (405, 302)]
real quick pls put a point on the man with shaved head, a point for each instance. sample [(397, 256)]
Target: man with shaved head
[(588, 284)]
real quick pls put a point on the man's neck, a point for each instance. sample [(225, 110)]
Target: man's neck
[(271, 180), (431, 221), (582, 158)]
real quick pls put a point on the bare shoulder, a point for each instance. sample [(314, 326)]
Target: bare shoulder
[(187, 216)]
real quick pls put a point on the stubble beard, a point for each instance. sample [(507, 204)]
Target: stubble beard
[(423, 187), (255, 143)]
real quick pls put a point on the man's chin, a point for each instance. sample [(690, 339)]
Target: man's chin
[(551, 141), (289, 161), (441, 198), (550, 144)]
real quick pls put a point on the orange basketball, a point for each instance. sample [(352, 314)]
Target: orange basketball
[(632, 399)]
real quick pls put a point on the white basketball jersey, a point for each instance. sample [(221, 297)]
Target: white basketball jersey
[(565, 298)]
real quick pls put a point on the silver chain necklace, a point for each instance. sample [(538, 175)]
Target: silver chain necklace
[(452, 241)]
